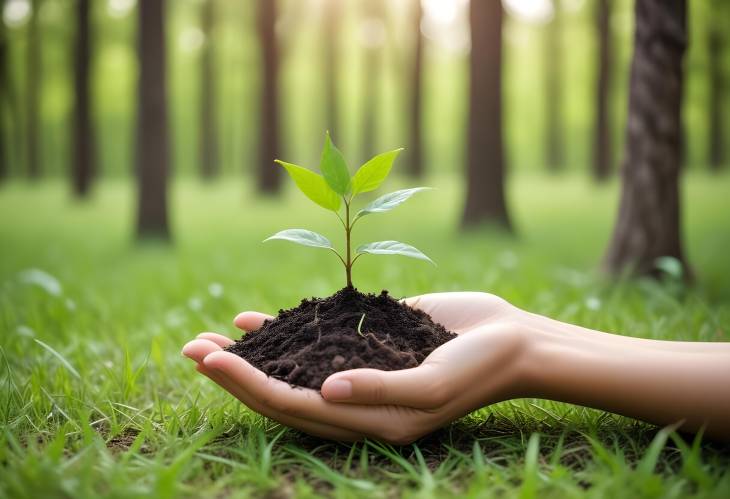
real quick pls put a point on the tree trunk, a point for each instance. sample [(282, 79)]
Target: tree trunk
[(553, 58), (602, 157), (648, 225), (33, 132), (269, 176), (4, 97), (209, 167), (415, 145), (373, 75), (485, 197), (331, 37), (82, 161), (716, 93), (152, 132)]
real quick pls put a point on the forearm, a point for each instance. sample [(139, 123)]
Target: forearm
[(658, 381)]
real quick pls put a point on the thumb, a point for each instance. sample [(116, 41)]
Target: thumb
[(421, 387)]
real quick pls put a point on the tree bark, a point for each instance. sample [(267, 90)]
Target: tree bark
[(4, 97), (152, 129), (209, 167), (269, 177), (33, 132), (485, 196), (715, 51), (553, 58), (602, 150), (415, 144), (373, 75), (331, 37), (648, 225), (82, 161)]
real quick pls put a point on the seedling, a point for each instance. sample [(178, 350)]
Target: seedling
[(335, 188)]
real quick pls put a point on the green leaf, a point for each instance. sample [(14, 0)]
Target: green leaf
[(392, 248), (370, 175), (313, 186), (334, 168), (389, 201), (303, 237)]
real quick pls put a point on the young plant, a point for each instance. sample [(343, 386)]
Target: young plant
[(335, 188)]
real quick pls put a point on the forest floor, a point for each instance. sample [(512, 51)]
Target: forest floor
[(95, 398)]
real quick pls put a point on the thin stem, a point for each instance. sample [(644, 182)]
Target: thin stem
[(348, 264), (340, 256)]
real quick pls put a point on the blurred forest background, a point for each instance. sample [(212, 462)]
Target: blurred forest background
[(216, 88), (214, 59)]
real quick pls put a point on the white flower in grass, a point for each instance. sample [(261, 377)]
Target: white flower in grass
[(195, 304), (593, 303)]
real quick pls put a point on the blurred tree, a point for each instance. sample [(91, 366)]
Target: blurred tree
[(485, 197), (716, 54), (269, 177), (415, 145), (4, 80), (648, 225), (602, 157), (332, 20), (373, 37), (209, 167), (553, 59), (82, 161), (33, 82), (153, 160)]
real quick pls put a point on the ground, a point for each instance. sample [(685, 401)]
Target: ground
[(95, 398)]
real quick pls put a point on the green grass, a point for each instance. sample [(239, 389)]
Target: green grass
[(96, 400)]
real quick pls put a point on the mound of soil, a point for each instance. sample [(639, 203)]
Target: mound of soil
[(304, 345)]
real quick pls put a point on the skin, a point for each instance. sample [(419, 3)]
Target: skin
[(501, 353)]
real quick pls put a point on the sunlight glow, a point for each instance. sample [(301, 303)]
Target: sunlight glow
[(120, 8), (16, 13), (191, 39), (531, 11), (445, 22)]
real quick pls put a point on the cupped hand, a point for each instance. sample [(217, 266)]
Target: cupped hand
[(479, 367)]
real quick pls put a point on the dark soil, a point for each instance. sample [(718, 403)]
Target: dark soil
[(304, 345)]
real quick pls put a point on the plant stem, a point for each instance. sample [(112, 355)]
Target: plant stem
[(348, 263)]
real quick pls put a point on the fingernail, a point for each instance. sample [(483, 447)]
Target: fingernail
[(339, 389)]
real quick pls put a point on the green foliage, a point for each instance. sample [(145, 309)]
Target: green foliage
[(313, 186), (335, 186), (392, 248)]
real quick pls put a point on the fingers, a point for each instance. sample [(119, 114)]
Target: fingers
[(383, 422), (218, 339), (310, 427), (198, 349), (420, 387), (250, 321)]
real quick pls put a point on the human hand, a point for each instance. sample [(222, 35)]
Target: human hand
[(481, 366)]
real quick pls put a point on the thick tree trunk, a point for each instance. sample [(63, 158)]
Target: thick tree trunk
[(208, 115), (373, 75), (553, 59), (648, 225), (152, 131), (485, 197), (602, 157), (269, 176), (82, 161), (715, 99), (415, 144), (4, 96), (33, 84), (331, 55)]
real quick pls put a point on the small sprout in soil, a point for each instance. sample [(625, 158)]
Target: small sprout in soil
[(359, 326), (334, 188)]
